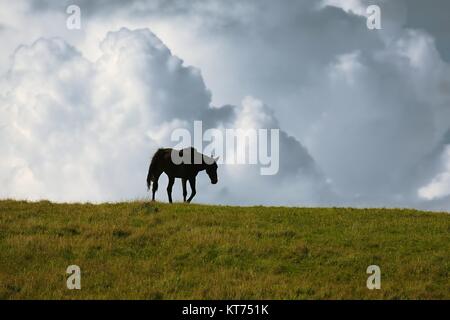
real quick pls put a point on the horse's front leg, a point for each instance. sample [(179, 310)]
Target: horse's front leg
[(169, 188), (184, 181), (192, 184)]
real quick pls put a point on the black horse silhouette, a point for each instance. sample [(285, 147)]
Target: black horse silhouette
[(188, 164)]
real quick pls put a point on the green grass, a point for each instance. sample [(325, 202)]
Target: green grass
[(140, 250)]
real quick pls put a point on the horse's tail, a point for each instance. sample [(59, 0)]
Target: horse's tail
[(151, 169)]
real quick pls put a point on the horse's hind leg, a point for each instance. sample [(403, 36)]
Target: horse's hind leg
[(155, 186)]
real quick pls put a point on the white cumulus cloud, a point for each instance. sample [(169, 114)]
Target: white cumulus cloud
[(75, 130)]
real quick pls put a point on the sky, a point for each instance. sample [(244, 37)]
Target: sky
[(364, 115)]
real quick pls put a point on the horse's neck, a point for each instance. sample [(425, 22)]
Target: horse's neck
[(200, 167)]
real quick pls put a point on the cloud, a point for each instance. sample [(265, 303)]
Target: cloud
[(79, 130), (75, 130), (299, 179), (431, 17), (382, 113), (366, 110), (439, 187)]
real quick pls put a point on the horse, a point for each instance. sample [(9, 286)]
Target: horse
[(184, 164)]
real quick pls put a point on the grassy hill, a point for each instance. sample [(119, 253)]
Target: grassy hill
[(160, 251)]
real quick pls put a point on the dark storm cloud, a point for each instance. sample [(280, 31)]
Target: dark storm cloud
[(434, 18), (213, 117), (431, 16)]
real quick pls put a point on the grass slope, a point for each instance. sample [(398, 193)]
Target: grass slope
[(160, 251)]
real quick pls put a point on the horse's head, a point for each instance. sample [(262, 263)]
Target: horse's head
[(211, 171)]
